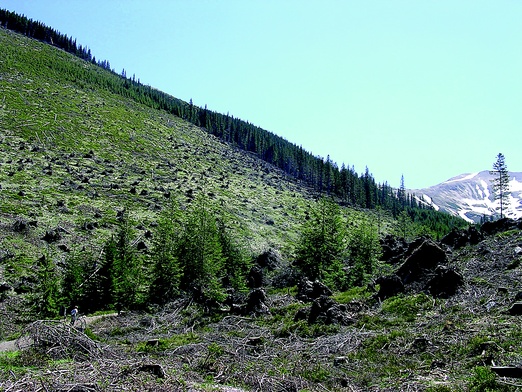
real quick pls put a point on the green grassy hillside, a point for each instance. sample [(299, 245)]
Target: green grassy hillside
[(72, 155)]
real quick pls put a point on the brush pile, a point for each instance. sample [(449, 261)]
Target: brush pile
[(58, 339)]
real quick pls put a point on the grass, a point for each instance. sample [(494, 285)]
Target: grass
[(484, 380), (10, 362), (85, 146), (406, 308), (353, 294), (507, 233), (169, 343)]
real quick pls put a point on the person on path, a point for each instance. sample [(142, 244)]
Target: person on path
[(74, 315)]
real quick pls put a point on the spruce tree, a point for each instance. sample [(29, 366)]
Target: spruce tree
[(92, 265), (236, 264), (501, 182), (365, 250), (127, 274), (401, 193), (166, 274), (46, 294), (73, 278), (321, 249), (403, 225), (103, 281), (201, 256)]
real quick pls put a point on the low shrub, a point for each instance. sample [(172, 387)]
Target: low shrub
[(406, 308), (484, 380)]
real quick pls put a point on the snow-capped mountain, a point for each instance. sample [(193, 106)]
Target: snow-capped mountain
[(471, 196)]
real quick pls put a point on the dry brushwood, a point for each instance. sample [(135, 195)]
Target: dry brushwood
[(105, 374), (59, 340)]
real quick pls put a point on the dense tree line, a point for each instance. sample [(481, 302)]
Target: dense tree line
[(37, 30), (321, 174), (340, 253), (193, 254)]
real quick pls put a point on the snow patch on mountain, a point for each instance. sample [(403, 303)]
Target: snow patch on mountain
[(471, 196), (462, 177)]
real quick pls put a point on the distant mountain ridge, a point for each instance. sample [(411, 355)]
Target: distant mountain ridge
[(471, 196)]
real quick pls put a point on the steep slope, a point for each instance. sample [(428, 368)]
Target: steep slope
[(471, 196), (72, 156), (323, 175)]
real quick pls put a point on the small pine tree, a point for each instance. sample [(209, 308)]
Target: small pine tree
[(166, 275), (236, 265), (46, 294), (127, 274), (501, 182), (74, 275), (89, 289), (365, 251), (379, 215), (201, 256), (103, 282), (404, 224), (321, 249)]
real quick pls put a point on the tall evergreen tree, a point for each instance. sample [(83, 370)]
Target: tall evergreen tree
[(404, 224), (369, 189), (501, 182), (46, 294), (74, 275), (90, 289), (401, 193), (166, 276), (328, 175), (103, 287), (365, 250), (201, 256), (127, 273), (236, 264)]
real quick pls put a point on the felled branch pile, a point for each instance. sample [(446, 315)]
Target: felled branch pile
[(122, 374), (281, 363), (59, 340)]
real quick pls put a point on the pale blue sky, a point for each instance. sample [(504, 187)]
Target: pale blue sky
[(421, 88)]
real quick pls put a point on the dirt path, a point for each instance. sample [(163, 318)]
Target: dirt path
[(10, 345)]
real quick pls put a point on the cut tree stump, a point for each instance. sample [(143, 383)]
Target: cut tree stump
[(152, 342), (507, 371), (516, 309), (155, 369)]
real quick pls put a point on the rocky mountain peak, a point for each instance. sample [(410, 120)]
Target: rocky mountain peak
[(471, 196)]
